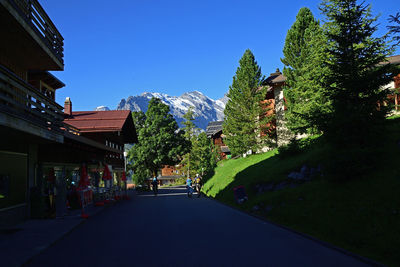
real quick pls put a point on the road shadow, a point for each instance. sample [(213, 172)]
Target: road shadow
[(173, 191)]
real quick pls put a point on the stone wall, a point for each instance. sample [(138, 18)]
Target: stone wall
[(284, 135)]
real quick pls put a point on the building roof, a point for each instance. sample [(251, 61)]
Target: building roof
[(274, 78), (104, 121), (214, 127), (394, 59), (225, 149), (46, 77)]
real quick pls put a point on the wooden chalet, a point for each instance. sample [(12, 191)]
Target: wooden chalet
[(214, 131), (168, 170), (275, 103), (112, 129), (394, 87), (169, 174), (40, 152)]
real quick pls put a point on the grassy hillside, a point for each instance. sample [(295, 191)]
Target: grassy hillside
[(361, 215)]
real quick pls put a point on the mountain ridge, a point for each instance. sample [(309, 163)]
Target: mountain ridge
[(204, 108)]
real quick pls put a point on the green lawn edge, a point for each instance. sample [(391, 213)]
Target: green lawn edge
[(360, 215)]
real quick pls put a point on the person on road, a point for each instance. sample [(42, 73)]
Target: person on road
[(198, 182), (154, 183), (189, 187)]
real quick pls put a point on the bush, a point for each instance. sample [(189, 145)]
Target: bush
[(350, 164), (180, 181), (296, 146)]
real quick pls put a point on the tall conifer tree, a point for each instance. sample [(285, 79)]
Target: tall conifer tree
[(304, 54), (395, 27), (356, 85), (357, 77), (242, 123)]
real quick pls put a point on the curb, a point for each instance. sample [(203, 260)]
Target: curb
[(323, 243)]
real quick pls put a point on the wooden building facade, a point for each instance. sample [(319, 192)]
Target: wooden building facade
[(29, 117), (41, 148), (214, 131), (394, 87)]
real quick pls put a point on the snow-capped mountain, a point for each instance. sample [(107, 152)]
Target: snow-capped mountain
[(204, 108), (102, 108)]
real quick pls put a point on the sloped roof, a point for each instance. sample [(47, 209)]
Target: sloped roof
[(214, 127), (394, 59), (225, 149), (46, 77), (104, 121), (276, 77), (279, 79)]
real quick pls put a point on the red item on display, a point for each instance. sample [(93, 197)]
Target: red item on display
[(106, 173), (52, 177), (84, 181), (123, 178)]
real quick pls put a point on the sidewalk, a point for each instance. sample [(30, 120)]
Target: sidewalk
[(33, 236)]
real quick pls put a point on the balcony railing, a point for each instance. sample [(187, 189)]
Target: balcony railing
[(36, 17), (21, 100)]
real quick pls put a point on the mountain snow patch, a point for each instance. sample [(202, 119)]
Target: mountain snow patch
[(204, 108)]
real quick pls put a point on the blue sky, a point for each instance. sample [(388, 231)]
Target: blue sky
[(114, 49)]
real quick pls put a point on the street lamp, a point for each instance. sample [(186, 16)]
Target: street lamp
[(125, 155)]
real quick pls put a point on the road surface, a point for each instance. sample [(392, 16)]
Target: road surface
[(174, 230)]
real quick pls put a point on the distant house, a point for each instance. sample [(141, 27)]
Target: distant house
[(214, 131), (394, 86), (169, 170), (111, 129), (275, 102), (169, 175)]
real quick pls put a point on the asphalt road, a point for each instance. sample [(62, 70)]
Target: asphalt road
[(174, 230)]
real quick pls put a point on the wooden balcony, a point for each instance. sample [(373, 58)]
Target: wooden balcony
[(24, 108), (25, 28)]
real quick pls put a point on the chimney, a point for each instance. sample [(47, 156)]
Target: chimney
[(276, 73), (68, 106)]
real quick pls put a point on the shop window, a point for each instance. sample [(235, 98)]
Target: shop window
[(4, 185), (13, 178)]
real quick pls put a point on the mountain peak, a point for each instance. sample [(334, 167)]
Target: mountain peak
[(102, 108), (204, 108)]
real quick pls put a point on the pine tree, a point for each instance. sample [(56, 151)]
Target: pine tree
[(395, 27), (356, 87), (357, 76), (242, 125), (304, 54)]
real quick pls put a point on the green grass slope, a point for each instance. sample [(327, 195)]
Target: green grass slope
[(361, 215)]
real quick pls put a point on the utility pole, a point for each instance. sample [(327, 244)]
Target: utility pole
[(188, 173)]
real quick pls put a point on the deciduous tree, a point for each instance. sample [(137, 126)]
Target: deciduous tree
[(189, 134), (159, 141), (203, 156)]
